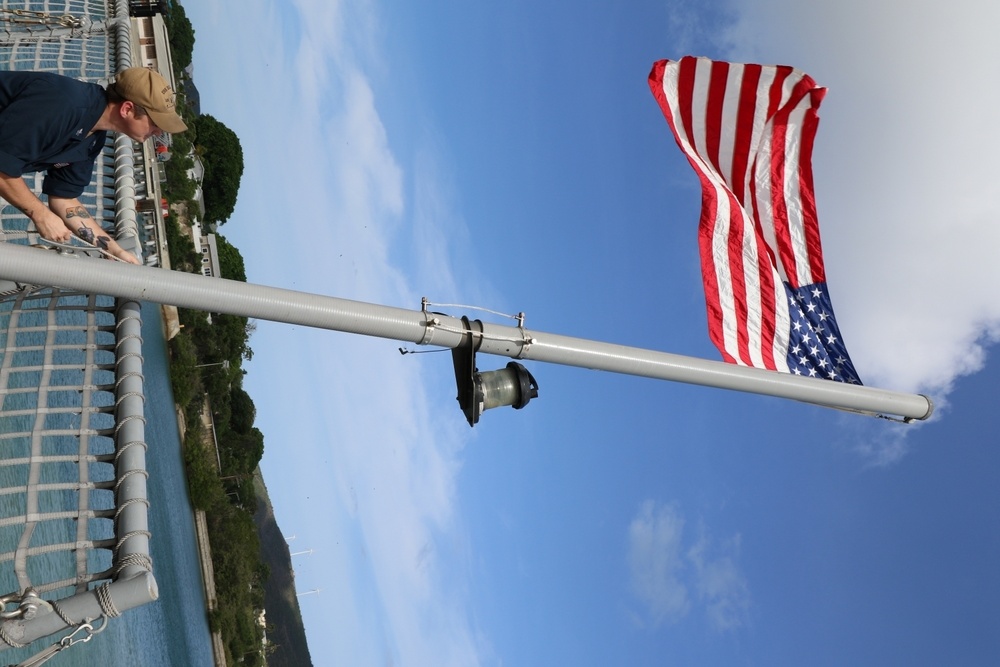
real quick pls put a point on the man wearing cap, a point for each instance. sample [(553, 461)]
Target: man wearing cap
[(59, 125)]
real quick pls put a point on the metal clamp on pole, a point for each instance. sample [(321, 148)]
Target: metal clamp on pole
[(430, 321)]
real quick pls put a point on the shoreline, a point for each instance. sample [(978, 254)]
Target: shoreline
[(171, 327)]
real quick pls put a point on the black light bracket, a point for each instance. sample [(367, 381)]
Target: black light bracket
[(477, 392), (464, 359)]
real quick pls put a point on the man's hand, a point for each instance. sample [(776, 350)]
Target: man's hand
[(47, 222), (50, 226)]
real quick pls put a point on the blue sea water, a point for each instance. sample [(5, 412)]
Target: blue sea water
[(172, 631)]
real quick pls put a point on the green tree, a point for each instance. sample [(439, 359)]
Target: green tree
[(183, 371), (241, 452), (181, 37), (230, 260), (242, 410), (222, 157), (179, 187)]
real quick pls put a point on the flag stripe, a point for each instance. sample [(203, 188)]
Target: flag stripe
[(748, 131), (680, 84), (810, 217)]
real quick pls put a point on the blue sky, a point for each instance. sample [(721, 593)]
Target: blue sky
[(510, 156)]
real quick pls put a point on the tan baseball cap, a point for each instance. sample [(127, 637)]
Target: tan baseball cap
[(151, 91)]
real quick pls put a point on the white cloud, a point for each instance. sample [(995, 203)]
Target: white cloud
[(720, 584), (655, 562), (663, 573)]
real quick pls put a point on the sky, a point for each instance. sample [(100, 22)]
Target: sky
[(510, 156)]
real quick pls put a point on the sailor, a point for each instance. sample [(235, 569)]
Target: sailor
[(59, 125)]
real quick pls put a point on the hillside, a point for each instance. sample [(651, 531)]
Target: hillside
[(285, 632)]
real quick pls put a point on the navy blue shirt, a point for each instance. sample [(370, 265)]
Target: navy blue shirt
[(44, 124)]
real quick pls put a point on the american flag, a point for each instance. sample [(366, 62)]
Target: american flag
[(748, 131)]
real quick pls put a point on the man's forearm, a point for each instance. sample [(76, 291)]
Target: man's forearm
[(73, 213), (78, 219), (20, 196)]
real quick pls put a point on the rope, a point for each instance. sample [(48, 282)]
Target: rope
[(129, 394), (104, 599), (133, 443), (125, 319), (130, 501), (485, 336), (129, 337), (62, 614), (129, 355), (519, 316), (130, 374), (127, 419), (135, 560), (127, 536), (128, 474), (8, 640)]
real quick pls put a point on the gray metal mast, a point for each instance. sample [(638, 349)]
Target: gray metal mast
[(216, 295)]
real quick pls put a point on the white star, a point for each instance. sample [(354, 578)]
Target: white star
[(811, 307), (822, 363), (797, 349), (833, 376), (817, 292), (831, 339), (814, 351), (796, 371), (823, 316), (812, 372)]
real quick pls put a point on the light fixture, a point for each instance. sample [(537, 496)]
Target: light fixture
[(512, 385)]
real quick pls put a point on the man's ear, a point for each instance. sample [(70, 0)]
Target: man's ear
[(125, 107)]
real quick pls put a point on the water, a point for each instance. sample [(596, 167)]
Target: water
[(173, 631)]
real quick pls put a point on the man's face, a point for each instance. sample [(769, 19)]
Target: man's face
[(139, 125)]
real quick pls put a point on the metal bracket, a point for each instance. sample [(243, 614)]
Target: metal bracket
[(526, 340), (464, 360), (28, 604), (430, 321)]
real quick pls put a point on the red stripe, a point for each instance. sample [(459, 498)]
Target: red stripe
[(685, 91), (706, 234), (656, 86), (744, 129), (777, 169), (713, 112), (747, 111), (714, 105), (741, 164), (709, 211), (737, 231), (810, 218), (685, 87)]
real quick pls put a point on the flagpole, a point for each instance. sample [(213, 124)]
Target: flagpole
[(217, 295)]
